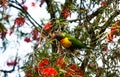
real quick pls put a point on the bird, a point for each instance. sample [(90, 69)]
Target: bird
[(69, 42)]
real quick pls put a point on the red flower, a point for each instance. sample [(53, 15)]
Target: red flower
[(35, 34), (60, 62), (73, 67), (81, 73), (109, 37), (47, 27), (104, 3), (49, 72), (117, 24), (65, 13), (113, 31), (70, 73), (74, 71), (27, 40), (25, 7), (3, 3), (19, 21), (12, 63), (33, 4), (42, 64)]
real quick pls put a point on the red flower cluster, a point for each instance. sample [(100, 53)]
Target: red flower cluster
[(33, 4), (12, 63), (27, 40), (49, 72), (19, 21), (74, 71), (42, 64), (103, 3), (47, 27), (60, 62), (66, 13), (110, 35), (2, 2), (35, 36), (45, 70), (113, 31)]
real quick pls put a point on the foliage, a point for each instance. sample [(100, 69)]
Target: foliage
[(96, 23)]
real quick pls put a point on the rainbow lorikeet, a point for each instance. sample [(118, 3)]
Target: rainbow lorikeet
[(68, 41)]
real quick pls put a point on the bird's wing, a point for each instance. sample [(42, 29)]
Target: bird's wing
[(76, 43)]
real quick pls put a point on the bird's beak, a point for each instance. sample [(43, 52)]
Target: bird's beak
[(53, 35)]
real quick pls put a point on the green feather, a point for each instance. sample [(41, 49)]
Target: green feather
[(75, 42)]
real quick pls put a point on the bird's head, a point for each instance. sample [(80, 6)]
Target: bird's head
[(58, 36)]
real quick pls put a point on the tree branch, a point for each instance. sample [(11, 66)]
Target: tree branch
[(109, 21), (26, 14)]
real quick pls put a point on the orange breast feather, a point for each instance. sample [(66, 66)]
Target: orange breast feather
[(65, 43)]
